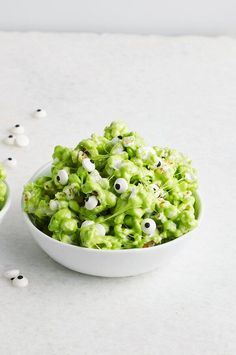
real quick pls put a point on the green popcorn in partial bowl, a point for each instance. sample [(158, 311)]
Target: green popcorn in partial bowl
[(115, 192)]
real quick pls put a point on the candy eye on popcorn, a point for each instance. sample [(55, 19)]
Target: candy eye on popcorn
[(88, 164), (62, 177), (148, 226), (112, 192), (91, 202), (121, 185)]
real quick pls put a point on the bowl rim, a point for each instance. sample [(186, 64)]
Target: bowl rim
[(91, 250), (7, 201)]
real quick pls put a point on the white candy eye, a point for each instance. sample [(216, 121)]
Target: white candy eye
[(20, 281), (91, 203), (88, 164), (159, 162), (10, 162), (62, 177), (101, 229), (54, 205), (22, 141), (17, 129), (40, 113), (121, 185), (10, 140), (86, 223), (148, 226), (11, 274)]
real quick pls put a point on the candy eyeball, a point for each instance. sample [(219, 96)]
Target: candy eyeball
[(17, 129), (22, 141), (20, 281), (91, 202), (10, 162), (86, 223), (62, 177), (159, 162), (40, 113), (10, 140), (11, 274), (88, 164), (121, 185), (148, 226), (101, 229)]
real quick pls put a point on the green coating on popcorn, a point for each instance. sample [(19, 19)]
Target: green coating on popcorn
[(162, 186), (3, 187)]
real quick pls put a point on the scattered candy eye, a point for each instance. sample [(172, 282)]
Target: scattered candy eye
[(10, 162), (17, 129), (148, 226), (121, 185), (20, 281), (40, 113), (54, 205), (101, 229), (88, 164), (11, 274), (91, 203), (10, 140), (62, 177), (86, 223), (22, 141)]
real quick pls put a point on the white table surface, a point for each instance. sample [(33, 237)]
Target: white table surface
[(176, 91)]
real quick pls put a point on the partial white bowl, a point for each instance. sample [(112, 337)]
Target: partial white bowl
[(6, 206), (106, 263)]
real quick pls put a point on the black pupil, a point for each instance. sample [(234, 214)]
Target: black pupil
[(92, 161), (158, 164), (120, 137), (117, 186), (20, 277), (58, 178), (147, 225), (9, 158), (39, 110), (17, 125), (87, 198), (10, 136)]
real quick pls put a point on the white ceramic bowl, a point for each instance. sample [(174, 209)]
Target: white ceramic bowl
[(6, 206), (106, 263)]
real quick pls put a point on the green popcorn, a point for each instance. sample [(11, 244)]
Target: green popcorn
[(115, 129), (63, 225), (101, 202)]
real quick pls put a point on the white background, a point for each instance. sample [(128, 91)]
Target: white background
[(178, 92), (133, 16)]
